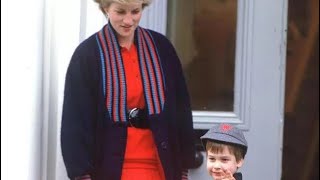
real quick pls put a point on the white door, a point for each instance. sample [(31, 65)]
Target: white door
[(233, 54), (246, 75)]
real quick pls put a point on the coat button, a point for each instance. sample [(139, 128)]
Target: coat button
[(164, 145)]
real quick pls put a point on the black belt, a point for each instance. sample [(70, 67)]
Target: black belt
[(138, 118)]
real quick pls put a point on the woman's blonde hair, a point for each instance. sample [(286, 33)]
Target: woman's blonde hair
[(106, 3)]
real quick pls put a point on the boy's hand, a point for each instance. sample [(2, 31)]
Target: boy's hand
[(226, 176)]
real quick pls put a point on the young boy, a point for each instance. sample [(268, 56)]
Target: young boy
[(226, 147)]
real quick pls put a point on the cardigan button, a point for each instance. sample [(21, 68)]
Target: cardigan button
[(164, 145)]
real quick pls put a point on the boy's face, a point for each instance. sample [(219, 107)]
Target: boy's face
[(222, 165)]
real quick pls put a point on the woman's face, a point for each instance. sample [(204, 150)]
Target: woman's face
[(222, 165), (124, 18)]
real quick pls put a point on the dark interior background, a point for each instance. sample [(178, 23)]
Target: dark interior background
[(301, 129)]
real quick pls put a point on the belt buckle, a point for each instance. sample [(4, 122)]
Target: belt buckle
[(133, 113)]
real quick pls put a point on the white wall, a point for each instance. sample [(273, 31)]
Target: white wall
[(62, 35), (38, 38), (21, 88)]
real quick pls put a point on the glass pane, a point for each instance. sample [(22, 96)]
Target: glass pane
[(204, 34)]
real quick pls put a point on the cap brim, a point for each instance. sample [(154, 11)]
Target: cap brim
[(222, 137)]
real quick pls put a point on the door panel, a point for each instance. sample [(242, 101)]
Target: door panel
[(214, 42), (204, 35)]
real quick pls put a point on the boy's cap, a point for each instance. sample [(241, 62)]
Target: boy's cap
[(225, 133)]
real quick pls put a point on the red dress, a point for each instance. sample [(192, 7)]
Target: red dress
[(141, 161)]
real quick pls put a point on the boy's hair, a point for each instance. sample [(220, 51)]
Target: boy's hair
[(217, 147)]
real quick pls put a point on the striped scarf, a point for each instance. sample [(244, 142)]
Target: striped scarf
[(113, 73)]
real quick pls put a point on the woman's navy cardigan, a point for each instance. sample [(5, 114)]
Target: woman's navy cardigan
[(92, 144)]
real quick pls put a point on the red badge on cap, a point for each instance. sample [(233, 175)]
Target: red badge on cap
[(225, 127)]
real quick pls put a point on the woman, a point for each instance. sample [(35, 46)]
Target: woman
[(126, 111)]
